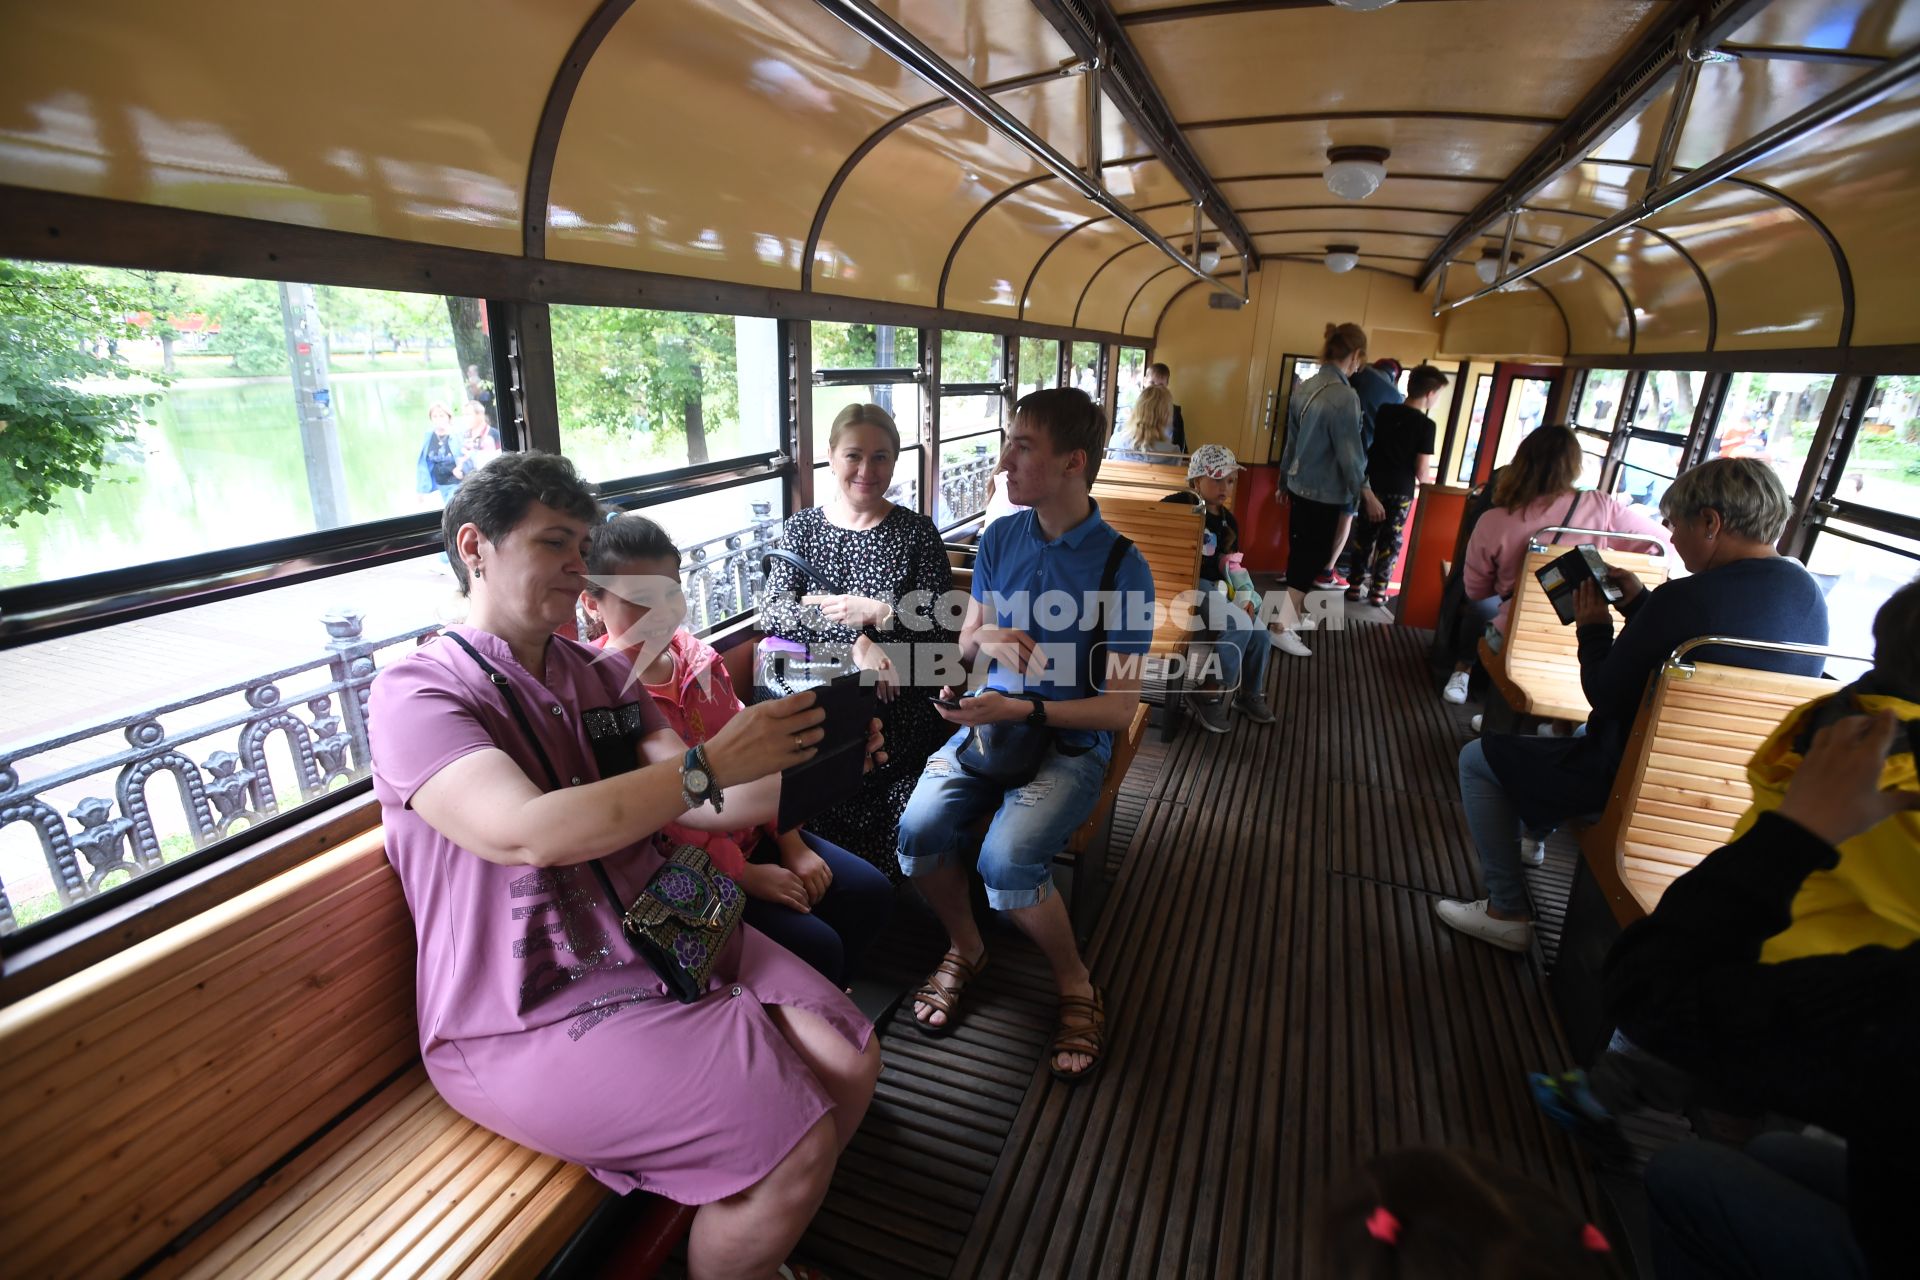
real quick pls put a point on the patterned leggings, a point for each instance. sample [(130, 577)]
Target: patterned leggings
[(1375, 545)]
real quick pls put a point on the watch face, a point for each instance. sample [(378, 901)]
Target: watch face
[(696, 781)]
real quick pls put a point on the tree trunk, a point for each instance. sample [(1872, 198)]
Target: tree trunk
[(167, 365), (469, 339), (696, 432)]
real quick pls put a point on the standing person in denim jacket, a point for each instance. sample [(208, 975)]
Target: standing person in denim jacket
[(1324, 467), (1374, 384)]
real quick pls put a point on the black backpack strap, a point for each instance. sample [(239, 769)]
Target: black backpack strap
[(1109, 581)]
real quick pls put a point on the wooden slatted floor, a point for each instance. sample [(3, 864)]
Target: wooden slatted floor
[(1284, 1005)]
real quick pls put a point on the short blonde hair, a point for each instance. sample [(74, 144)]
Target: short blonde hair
[(862, 415), (1749, 497)]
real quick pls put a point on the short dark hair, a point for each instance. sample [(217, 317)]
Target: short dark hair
[(1423, 379), (1896, 642), (1159, 370), (1071, 420), (622, 540), (498, 496)]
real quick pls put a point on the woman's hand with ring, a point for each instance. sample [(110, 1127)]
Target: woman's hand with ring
[(765, 738), (869, 656)]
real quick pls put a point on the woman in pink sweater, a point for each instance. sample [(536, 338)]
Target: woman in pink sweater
[(1535, 491)]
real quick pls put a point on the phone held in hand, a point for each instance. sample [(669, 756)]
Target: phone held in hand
[(951, 701), (839, 764), (1561, 577)]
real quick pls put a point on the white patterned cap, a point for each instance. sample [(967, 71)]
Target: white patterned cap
[(1214, 460)]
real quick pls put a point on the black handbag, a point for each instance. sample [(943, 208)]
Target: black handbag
[(1010, 752), (783, 667), (687, 913)]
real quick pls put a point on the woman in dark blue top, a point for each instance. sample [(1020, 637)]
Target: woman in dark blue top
[(1725, 516)]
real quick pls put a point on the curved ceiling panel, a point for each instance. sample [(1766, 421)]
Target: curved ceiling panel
[(1424, 57), (1733, 102), (1671, 310), (1473, 149), (1057, 283), (1597, 320), (1113, 284), (1144, 315), (1876, 27), (215, 107), (1860, 179), (701, 138), (1773, 277), (1594, 187), (1413, 249), (1352, 221), (991, 267), (1521, 323), (1311, 192)]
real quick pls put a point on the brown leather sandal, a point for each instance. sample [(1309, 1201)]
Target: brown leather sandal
[(1083, 1025), (944, 997)]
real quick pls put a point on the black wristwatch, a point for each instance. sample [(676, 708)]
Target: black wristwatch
[(696, 780), (1038, 716)]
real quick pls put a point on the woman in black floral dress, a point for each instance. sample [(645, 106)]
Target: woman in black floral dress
[(883, 556)]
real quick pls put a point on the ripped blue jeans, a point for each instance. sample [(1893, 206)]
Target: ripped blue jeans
[(1030, 824)]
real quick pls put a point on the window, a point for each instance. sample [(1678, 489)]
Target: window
[(866, 364), (1668, 399), (1657, 437), (1599, 406), (723, 536), (1039, 364), (1476, 424), (1773, 417), (972, 401), (1132, 380), (216, 747), (236, 411), (1859, 568), (971, 358), (641, 392), (965, 466), (1526, 411), (1646, 469), (1883, 462), (1083, 369)]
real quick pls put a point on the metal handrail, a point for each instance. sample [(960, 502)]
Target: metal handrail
[(1771, 646), (1535, 545)]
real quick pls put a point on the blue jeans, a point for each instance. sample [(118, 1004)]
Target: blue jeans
[(834, 936), (1242, 645), (1495, 828), (1030, 824), (1776, 1209)]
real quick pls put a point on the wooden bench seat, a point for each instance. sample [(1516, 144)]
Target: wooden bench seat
[(188, 1077), (1169, 535), (1157, 476), (1683, 782), (1537, 670)]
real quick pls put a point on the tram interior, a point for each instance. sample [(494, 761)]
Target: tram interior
[(275, 282)]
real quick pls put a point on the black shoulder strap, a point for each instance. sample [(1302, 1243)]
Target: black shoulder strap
[(1109, 580), (1568, 518), (800, 565), (520, 717)]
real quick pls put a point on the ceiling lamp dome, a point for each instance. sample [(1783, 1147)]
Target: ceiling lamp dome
[(1354, 173), (1342, 258), (1488, 268), (1208, 258), (1363, 6)]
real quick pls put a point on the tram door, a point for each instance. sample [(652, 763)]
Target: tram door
[(1518, 405)]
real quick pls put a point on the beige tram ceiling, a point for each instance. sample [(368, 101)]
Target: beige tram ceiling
[(763, 142)]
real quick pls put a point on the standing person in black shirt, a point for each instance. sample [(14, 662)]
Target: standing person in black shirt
[(1400, 459), (1158, 375)]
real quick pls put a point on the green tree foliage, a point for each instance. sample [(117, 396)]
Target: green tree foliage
[(251, 331), (62, 402), (969, 357), (625, 372)]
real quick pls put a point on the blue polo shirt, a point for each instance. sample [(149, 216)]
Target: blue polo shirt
[(1047, 588)]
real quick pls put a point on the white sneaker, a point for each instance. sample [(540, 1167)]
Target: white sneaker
[(1288, 642), (1471, 918), (1533, 850), (1456, 690), (1475, 722)]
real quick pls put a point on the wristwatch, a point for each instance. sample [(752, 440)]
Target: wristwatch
[(696, 780), (1038, 716)]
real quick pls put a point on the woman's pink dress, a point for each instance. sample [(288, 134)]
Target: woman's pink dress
[(537, 1019)]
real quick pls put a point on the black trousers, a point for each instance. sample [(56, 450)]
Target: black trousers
[(1310, 531)]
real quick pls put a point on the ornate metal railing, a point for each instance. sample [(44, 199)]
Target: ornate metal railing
[(963, 484), (229, 788), (722, 577)]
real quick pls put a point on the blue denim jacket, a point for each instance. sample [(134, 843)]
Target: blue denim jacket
[(1326, 457)]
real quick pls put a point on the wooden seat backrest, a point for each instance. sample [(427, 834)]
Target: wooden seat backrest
[(1541, 656), (1683, 782), (1152, 475), (139, 1094), (1169, 535)]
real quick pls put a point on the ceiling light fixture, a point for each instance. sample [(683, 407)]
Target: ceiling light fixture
[(1209, 259), (1363, 6), (1342, 258), (1488, 268), (1354, 173)]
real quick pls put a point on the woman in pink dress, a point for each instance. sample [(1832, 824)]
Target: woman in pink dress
[(537, 1018)]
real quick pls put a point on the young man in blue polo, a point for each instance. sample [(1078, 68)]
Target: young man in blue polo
[(1056, 674)]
